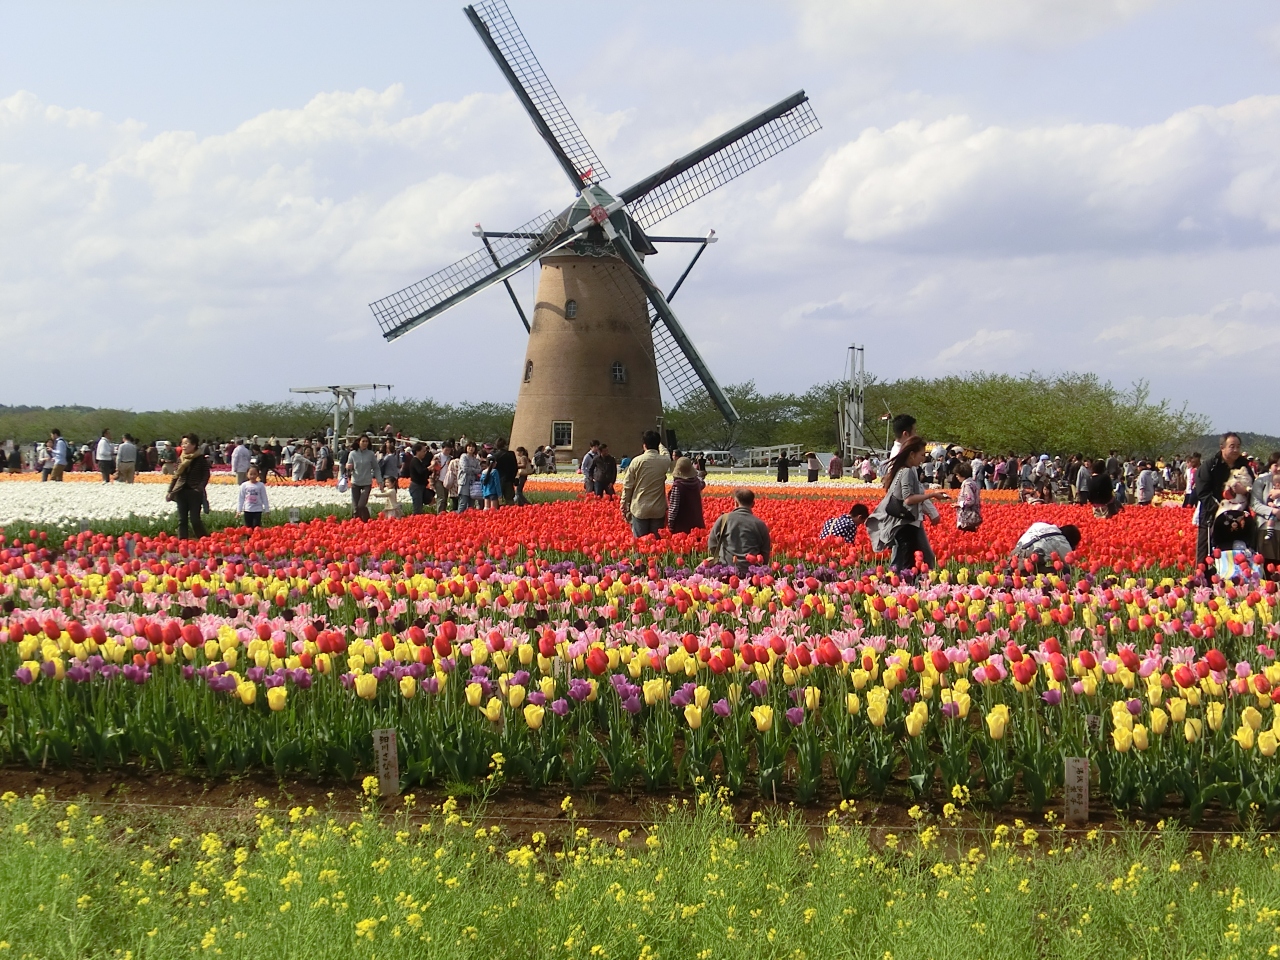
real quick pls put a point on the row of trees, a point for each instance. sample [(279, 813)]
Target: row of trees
[(1063, 413), (420, 418)]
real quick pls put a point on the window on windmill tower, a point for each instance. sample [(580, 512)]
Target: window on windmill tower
[(528, 370), (619, 372), (562, 433), (570, 310)]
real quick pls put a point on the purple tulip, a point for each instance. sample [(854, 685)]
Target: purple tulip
[(521, 678), (721, 707), (302, 679), (579, 689), (950, 709), (758, 688), (795, 716), (1052, 697), (255, 674), (560, 707), (431, 685), (188, 671), (348, 680), (48, 668), (1134, 706), (909, 694), (273, 681), (632, 705), (538, 698), (23, 675), (77, 674)]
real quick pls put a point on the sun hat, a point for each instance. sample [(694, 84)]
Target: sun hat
[(684, 469)]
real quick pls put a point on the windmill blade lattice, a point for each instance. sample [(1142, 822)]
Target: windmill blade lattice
[(528, 72), (400, 312), (730, 161)]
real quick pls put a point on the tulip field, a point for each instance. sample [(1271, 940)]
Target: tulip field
[(543, 650), (548, 636)]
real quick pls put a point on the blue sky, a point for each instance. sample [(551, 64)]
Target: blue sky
[(219, 190)]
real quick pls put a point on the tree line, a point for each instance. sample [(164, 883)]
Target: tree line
[(1060, 413)]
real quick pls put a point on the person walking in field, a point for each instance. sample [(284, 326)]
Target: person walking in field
[(105, 455), (361, 470), (126, 459), (684, 501), (644, 491), (252, 502), (187, 488), (61, 455)]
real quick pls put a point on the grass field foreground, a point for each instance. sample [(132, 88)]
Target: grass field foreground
[(94, 881)]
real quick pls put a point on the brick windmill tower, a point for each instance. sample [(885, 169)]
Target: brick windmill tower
[(603, 334)]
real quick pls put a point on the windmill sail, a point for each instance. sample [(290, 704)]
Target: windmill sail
[(507, 45), (716, 163), (504, 256)]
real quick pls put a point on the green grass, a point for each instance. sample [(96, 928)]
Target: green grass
[(101, 881)]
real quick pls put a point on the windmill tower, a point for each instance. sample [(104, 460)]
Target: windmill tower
[(603, 334)]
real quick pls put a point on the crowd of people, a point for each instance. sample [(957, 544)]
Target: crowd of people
[(1236, 496)]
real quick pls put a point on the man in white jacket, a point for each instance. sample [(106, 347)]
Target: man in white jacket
[(105, 454)]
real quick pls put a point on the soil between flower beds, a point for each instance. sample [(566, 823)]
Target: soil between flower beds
[(520, 812)]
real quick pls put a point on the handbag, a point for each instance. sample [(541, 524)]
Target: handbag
[(343, 484), (895, 507), (476, 490)]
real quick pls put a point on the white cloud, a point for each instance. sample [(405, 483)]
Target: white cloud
[(867, 24), (276, 232), (1243, 330), (1203, 177), (984, 350)]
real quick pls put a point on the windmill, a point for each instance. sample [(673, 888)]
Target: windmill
[(602, 331)]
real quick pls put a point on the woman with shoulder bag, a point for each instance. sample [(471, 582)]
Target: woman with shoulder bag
[(896, 522)]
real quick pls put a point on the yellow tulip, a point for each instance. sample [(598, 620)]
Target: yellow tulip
[(701, 697), (525, 652), (247, 692), (1244, 737), (533, 715), (408, 686), (1267, 742), (875, 712), (1140, 737), (276, 697), (853, 704), (997, 721), (1177, 709), (655, 690), (917, 719), (474, 694), (860, 678), (963, 703), (1159, 721), (1213, 714), (735, 693), (763, 716), (493, 710), (229, 658), (1122, 739), (1089, 685), (515, 696), (367, 686), (1252, 718), (1192, 729), (812, 697), (693, 716), (212, 651)]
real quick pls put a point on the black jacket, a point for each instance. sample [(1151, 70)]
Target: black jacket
[(419, 471), (1211, 478)]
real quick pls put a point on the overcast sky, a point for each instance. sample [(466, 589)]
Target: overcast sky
[(197, 202)]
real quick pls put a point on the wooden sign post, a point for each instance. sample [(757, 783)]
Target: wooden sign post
[(387, 763), (1076, 789)]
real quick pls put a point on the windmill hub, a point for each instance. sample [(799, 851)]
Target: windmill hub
[(602, 332)]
